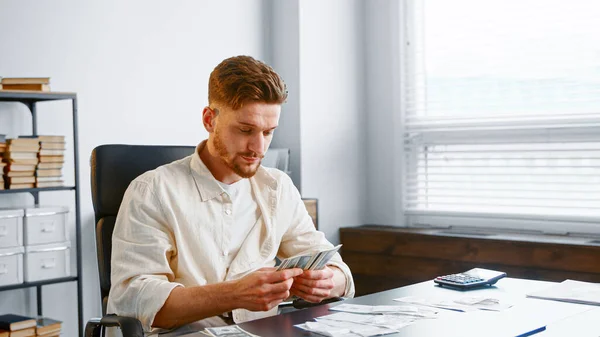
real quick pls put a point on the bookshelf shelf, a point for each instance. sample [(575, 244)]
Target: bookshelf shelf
[(36, 190), (39, 283), (30, 99), (20, 96)]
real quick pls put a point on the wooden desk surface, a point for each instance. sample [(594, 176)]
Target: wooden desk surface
[(527, 313)]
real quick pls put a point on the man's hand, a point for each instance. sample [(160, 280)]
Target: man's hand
[(318, 285), (264, 289)]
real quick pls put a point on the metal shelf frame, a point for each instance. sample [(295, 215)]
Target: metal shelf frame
[(30, 99)]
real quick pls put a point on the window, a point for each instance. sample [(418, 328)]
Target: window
[(501, 114)]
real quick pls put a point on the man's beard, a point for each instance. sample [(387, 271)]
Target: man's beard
[(244, 171)]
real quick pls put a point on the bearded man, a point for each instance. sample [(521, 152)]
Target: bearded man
[(196, 240)]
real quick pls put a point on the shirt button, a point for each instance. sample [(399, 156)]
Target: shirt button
[(228, 211), (224, 253)]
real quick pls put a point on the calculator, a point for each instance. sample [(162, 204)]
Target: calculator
[(473, 278)]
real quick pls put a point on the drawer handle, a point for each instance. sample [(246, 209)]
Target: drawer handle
[(3, 269), (3, 231), (47, 227), (49, 264)]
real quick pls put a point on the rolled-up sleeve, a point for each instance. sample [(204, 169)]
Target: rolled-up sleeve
[(143, 249), (302, 237)]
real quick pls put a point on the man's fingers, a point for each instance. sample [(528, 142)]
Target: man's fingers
[(280, 286), (324, 291), (323, 284), (282, 275), (307, 297), (267, 269), (325, 273)]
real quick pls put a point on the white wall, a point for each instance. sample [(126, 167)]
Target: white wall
[(383, 30), (333, 111), (284, 52), (140, 69)]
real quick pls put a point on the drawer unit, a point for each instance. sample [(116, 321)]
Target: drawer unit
[(43, 262), (11, 266), (11, 228), (44, 225)]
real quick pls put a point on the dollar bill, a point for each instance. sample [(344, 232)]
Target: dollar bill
[(228, 331), (314, 261)]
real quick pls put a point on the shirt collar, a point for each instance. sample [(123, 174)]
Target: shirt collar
[(208, 186)]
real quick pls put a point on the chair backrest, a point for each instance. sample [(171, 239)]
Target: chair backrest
[(312, 206), (113, 167)]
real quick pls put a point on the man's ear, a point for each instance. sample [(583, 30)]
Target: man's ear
[(208, 119)]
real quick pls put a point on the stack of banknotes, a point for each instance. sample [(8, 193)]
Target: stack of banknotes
[(314, 261)]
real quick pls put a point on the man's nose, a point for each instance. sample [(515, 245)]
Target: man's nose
[(257, 144)]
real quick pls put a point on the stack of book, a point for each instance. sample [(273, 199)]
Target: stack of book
[(21, 158), (26, 83), (17, 326), (51, 160)]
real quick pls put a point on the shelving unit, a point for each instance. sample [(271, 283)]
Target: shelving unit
[(30, 99)]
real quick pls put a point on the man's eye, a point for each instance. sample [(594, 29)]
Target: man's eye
[(268, 133), (245, 130)]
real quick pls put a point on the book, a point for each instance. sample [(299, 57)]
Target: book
[(26, 80), (46, 179), (52, 145), (571, 291), (22, 148), (27, 87), (21, 165), (45, 152), (56, 183), (52, 138), (23, 141), (45, 166), (29, 332), (48, 173), (20, 180), (19, 186), (47, 326), (20, 173), (52, 159), (20, 155), (12, 322)]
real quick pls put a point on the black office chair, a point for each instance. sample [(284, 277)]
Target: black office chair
[(113, 167)]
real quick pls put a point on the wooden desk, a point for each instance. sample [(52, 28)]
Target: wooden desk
[(559, 318)]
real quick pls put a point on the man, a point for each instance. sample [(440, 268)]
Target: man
[(196, 240)]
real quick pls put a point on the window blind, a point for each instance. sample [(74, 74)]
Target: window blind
[(501, 109)]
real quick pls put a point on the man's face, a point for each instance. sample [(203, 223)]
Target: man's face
[(242, 137)]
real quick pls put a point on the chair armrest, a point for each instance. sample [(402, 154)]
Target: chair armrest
[(301, 304), (130, 327)]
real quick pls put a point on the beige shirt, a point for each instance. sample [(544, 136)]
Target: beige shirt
[(173, 229)]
